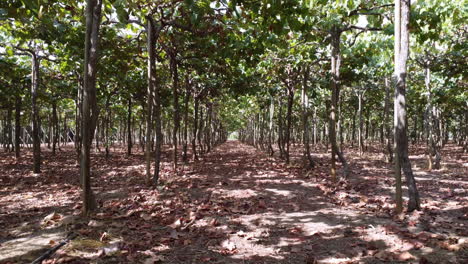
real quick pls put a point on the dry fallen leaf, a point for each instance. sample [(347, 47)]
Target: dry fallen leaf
[(154, 259), (145, 216), (229, 245), (405, 256), (94, 223)]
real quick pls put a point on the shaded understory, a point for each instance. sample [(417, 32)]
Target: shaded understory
[(236, 205)]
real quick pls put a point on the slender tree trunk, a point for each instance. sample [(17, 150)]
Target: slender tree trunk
[(107, 119), (289, 121), (360, 127), (35, 115), (280, 129), (270, 127), (98, 134), (315, 125), (209, 118), (78, 119), (175, 94), (9, 127), (340, 122), (200, 131), (158, 131), (335, 87), (54, 126), (186, 107), (17, 126), (151, 42), (129, 127), (402, 17), (90, 111), (387, 128), (432, 146), (305, 125), (195, 128)]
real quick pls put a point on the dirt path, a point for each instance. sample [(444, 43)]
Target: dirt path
[(237, 205), (273, 215), (270, 213)]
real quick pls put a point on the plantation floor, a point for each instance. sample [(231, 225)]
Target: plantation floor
[(236, 205)]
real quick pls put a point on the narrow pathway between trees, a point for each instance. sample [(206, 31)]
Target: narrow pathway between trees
[(267, 213), (271, 214)]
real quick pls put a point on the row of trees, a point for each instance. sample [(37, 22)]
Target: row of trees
[(297, 105), (188, 73)]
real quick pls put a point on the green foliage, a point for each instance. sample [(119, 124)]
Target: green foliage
[(238, 54)]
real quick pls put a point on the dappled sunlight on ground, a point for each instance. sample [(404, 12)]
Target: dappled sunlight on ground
[(236, 205)]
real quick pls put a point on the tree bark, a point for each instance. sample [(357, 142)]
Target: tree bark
[(153, 34), (129, 127), (90, 111), (195, 128), (175, 94), (402, 17), (209, 118), (387, 128), (289, 121), (9, 127), (335, 87), (200, 131), (35, 114), (315, 125), (186, 107), (305, 125), (151, 43), (433, 153), (17, 126), (54, 126), (360, 127), (107, 118), (270, 127), (280, 129)]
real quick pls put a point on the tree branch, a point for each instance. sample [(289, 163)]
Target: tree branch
[(359, 11)]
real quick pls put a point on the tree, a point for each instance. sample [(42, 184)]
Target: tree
[(90, 111), (402, 162)]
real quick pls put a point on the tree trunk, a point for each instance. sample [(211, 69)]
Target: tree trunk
[(335, 87), (289, 121), (432, 146), (186, 107), (280, 129), (54, 126), (107, 126), (9, 127), (153, 35), (175, 88), (402, 17), (158, 132), (200, 131), (97, 135), (17, 126), (90, 111), (387, 128), (305, 125), (195, 128), (129, 127), (270, 127), (151, 69), (360, 140), (315, 125), (35, 115), (78, 119), (209, 118)]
